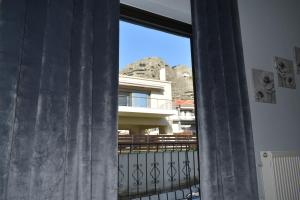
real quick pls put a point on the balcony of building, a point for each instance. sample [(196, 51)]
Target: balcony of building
[(142, 97), (139, 105)]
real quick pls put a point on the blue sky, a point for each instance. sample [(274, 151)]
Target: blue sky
[(137, 42)]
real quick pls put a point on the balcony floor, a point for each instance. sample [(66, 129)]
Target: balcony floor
[(144, 112)]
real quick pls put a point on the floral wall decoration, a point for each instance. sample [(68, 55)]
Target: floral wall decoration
[(297, 59), (285, 71), (264, 86)]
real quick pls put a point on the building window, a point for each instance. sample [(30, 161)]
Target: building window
[(124, 99), (134, 99), (140, 99)]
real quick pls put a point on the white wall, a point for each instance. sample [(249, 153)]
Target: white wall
[(272, 28)]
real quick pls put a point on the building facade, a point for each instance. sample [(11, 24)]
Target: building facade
[(145, 105), (183, 121)]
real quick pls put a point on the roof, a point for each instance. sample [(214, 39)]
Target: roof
[(187, 103)]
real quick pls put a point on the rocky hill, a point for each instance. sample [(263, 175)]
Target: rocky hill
[(180, 75)]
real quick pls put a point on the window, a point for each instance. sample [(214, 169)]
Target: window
[(156, 106), (134, 99), (124, 99), (140, 99)]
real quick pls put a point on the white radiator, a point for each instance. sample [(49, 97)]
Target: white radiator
[(281, 175)]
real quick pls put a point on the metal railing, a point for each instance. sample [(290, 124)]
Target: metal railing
[(145, 102), (162, 167)]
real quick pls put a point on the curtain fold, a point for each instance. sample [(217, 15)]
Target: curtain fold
[(58, 99), (227, 161), (11, 41)]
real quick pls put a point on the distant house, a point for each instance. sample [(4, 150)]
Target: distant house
[(184, 119)]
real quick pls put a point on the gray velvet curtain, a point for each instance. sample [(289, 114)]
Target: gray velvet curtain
[(227, 161), (58, 99)]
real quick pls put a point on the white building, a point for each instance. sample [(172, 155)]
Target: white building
[(183, 122), (145, 105)]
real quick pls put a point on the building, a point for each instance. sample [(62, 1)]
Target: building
[(145, 105), (181, 79), (184, 118)]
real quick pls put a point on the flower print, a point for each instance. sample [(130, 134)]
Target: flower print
[(267, 81), (285, 71), (264, 86), (289, 81), (259, 96), (282, 68)]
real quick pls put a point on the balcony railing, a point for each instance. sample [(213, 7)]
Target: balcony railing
[(145, 102), (158, 167)]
